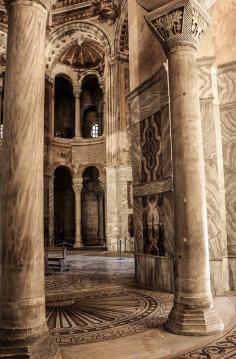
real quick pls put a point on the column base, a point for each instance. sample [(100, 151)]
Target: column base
[(78, 245), (199, 322), (44, 347)]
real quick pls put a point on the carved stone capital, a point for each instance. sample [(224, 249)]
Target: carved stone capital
[(77, 185), (179, 23)]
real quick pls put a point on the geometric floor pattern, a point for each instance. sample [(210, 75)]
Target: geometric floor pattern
[(222, 348), (101, 315), (106, 305)]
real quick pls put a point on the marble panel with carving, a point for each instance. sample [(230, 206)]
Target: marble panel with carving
[(166, 142), (151, 148), (227, 97)]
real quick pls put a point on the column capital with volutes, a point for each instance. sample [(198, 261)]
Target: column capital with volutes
[(179, 23)]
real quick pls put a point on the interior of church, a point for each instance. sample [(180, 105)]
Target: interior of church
[(117, 179)]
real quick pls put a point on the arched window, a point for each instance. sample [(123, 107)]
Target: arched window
[(91, 108), (64, 108), (94, 131)]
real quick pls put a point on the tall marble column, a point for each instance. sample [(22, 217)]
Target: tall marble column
[(51, 211), (101, 217), (77, 113), (1, 106), (180, 25), (23, 328), (77, 186)]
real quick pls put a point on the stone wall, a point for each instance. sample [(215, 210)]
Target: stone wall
[(214, 172), (227, 100)]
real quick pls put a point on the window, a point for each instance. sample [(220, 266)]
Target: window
[(94, 131), (1, 131)]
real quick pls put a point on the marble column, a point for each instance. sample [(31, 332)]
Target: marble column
[(51, 211), (180, 26), (77, 113), (1, 106), (23, 328), (101, 217), (77, 186)]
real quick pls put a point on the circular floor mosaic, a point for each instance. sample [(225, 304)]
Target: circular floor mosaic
[(102, 315)]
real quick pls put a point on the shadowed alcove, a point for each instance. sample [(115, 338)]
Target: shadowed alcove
[(91, 108), (64, 108), (64, 207), (92, 202)]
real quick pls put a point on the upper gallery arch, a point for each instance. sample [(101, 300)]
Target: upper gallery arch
[(88, 38)]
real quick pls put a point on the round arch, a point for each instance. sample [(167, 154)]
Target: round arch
[(70, 168), (62, 38), (121, 27)]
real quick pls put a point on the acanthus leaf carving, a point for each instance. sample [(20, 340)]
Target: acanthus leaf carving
[(170, 24), (179, 23)]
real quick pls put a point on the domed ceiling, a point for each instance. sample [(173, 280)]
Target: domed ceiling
[(86, 55)]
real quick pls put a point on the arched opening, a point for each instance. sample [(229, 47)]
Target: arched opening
[(91, 108), (64, 207), (92, 201), (64, 108)]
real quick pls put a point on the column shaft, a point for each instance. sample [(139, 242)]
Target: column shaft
[(77, 116), (101, 218), (22, 296), (193, 292), (180, 29), (78, 237), (189, 177)]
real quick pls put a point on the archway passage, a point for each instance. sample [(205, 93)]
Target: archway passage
[(64, 108), (91, 108), (64, 208), (92, 209)]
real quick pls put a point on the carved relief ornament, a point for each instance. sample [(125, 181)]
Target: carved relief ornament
[(179, 23), (106, 10)]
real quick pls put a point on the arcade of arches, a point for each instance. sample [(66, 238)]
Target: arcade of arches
[(118, 122)]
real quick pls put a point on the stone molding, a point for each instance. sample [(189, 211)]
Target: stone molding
[(179, 23)]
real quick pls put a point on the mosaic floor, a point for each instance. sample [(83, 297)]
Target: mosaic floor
[(103, 315), (221, 348), (96, 304)]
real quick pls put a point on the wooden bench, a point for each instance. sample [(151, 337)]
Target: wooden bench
[(55, 259)]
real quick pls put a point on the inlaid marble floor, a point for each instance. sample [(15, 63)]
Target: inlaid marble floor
[(95, 311)]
